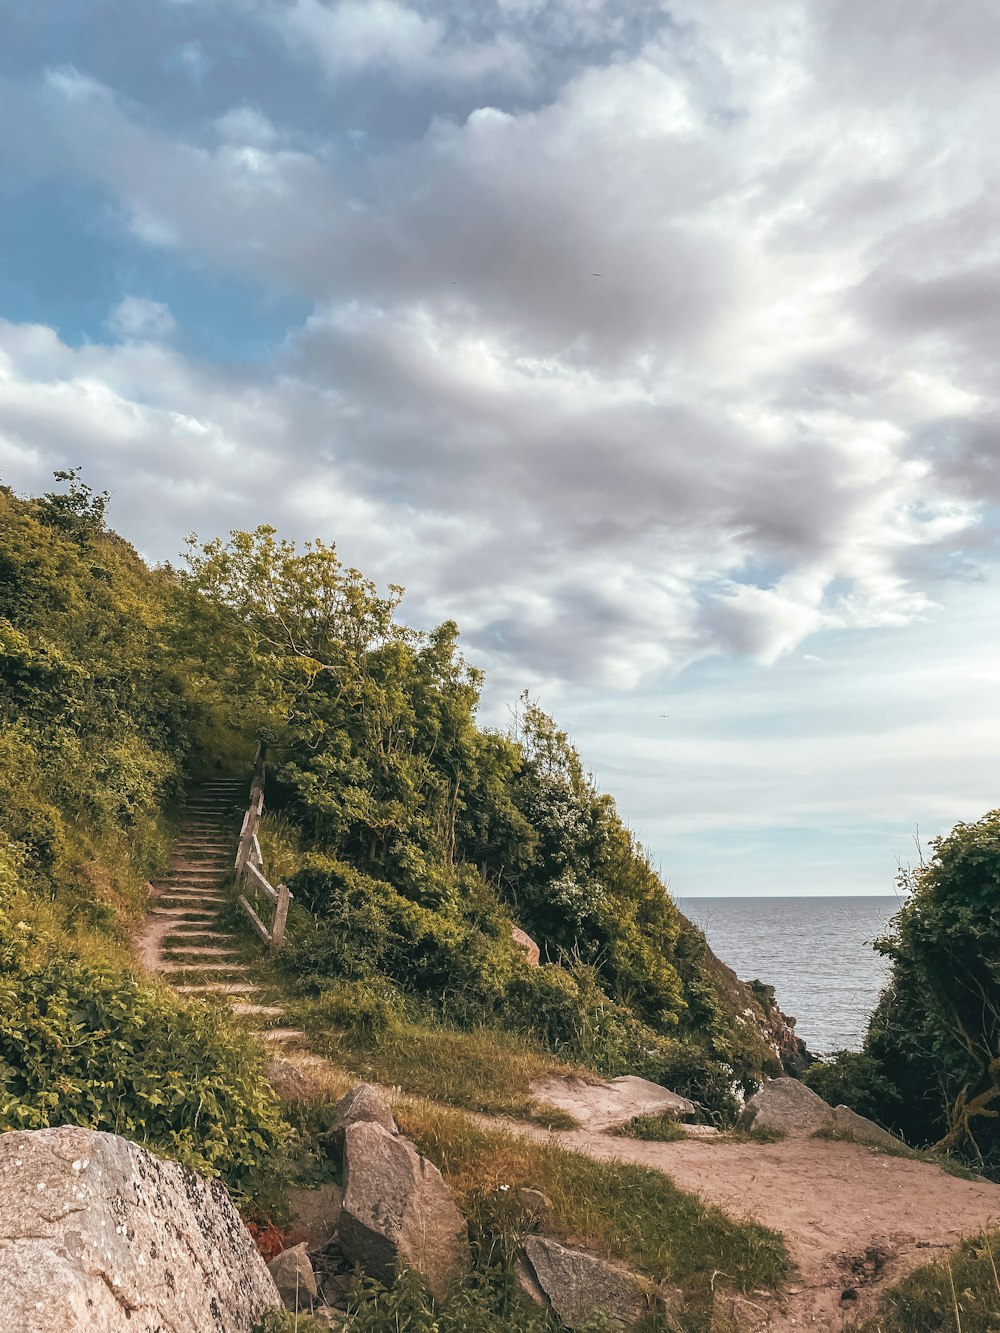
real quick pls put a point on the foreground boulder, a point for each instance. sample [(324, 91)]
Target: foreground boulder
[(577, 1285), (397, 1211), (362, 1105), (787, 1106), (98, 1234)]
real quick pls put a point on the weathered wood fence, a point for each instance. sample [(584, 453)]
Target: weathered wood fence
[(250, 875)]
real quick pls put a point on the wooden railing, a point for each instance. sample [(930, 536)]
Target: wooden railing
[(250, 865)]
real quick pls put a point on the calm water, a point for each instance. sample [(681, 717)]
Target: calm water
[(815, 952)]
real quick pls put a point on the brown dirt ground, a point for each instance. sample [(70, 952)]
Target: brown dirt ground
[(853, 1218)]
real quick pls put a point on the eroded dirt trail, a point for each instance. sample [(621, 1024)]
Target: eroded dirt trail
[(854, 1219)]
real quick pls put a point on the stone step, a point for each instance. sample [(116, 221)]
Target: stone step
[(200, 951), (183, 912), (257, 1010), (217, 988), (280, 1034), (202, 967)]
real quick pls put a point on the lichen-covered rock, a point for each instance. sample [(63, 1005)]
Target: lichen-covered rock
[(398, 1212), (785, 1105), (97, 1233), (361, 1105), (294, 1277), (578, 1285)]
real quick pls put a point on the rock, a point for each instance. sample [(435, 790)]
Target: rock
[(599, 1106), (786, 1105), (294, 1277), (97, 1233), (361, 1105), (317, 1212), (398, 1211), (328, 1317), (534, 1201), (524, 941), (289, 1082), (842, 1120), (577, 1284)]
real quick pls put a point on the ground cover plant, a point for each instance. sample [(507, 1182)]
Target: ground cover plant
[(957, 1294)]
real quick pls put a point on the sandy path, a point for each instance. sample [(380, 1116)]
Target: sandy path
[(833, 1202)]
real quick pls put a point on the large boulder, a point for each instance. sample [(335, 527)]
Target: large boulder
[(362, 1105), (97, 1233), (397, 1211), (578, 1285), (316, 1213), (787, 1106)]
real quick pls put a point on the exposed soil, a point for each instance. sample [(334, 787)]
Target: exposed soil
[(855, 1220)]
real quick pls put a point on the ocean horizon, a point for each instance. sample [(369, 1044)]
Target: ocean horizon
[(815, 951)]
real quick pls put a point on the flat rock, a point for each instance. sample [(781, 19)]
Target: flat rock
[(577, 1284), (361, 1105), (98, 1234), (293, 1275), (398, 1212), (843, 1120), (600, 1106), (786, 1105)]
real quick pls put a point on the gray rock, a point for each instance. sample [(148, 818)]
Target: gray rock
[(524, 941), (786, 1105), (294, 1277), (289, 1082), (317, 1212), (362, 1105), (600, 1106), (97, 1233), (534, 1201), (843, 1120), (577, 1284), (398, 1212)]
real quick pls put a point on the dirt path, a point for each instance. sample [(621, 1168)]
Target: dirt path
[(854, 1219)]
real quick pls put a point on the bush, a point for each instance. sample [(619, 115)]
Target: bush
[(89, 1045)]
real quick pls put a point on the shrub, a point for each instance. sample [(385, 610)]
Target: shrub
[(86, 1044)]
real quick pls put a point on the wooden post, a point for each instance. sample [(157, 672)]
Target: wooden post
[(280, 915)]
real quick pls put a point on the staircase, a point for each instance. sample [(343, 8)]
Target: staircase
[(184, 938)]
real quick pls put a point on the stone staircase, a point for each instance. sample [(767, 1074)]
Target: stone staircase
[(185, 939)]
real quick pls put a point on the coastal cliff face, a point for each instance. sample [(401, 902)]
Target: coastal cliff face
[(755, 1002)]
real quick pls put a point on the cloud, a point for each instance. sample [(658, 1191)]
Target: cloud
[(138, 317)]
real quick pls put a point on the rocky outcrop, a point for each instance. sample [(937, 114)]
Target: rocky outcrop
[(287, 1080), (362, 1105), (524, 941), (397, 1211), (787, 1106), (576, 1284), (97, 1233), (600, 1106), (755, 1005)]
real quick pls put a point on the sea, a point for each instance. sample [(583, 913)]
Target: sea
[(815, 952)]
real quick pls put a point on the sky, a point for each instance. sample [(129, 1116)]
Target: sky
[(653, 343)]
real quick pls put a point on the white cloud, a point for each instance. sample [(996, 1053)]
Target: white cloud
[(138, 317)]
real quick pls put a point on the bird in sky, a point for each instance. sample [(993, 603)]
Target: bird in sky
[(597, 275)]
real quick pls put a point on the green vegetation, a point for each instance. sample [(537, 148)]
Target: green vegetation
[(929, 1068), (414, 840), (957, 1294), (652, 1129)]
